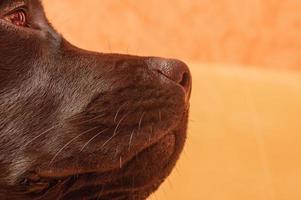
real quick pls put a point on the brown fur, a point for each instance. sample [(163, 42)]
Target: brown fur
[(76, 124)]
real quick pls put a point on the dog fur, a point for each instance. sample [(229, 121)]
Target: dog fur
[(76, 124)]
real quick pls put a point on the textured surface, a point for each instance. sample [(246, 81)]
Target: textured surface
[(264, 33)]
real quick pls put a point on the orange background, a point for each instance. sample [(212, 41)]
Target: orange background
[(249, 32), (244, 135)]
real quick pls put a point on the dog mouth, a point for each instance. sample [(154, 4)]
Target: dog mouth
[(139, 174), (135, 178), (139, 169)]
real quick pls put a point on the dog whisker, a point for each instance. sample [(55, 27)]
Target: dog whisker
[(53, 127), (115, 131), (95, 136), (160, 115), (108, 140), (140, 122), (41, 134), (131, 138), (88, 120), (119, 109), (151, 134), (68, 143), (117, 126)]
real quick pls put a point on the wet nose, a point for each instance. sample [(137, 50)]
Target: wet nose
[(174, 70)]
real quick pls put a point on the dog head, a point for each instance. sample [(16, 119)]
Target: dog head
[(76, 124)]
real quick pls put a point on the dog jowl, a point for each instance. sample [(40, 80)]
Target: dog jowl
[(76, 124)]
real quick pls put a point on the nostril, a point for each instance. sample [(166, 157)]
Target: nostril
[(185, 81), (175, 70)]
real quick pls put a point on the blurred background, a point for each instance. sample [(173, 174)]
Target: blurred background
[(244, 138)]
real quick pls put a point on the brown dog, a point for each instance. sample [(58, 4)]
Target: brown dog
[(82, 125)]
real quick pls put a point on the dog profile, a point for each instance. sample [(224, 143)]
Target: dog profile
[(76, 124)]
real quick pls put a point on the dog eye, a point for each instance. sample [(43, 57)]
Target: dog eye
[(17, 18)]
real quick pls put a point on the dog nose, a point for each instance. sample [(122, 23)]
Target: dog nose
[(174, 70)]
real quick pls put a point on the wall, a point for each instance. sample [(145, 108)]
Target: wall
[(264, 33)]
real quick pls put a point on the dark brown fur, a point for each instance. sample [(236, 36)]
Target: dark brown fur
[(76, 124)]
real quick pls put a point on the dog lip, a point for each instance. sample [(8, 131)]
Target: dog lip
[(59, 170), (114, 185), (52, 174), (168, 146), (117, 184)]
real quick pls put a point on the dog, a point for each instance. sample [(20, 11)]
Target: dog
[(76, 124)]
